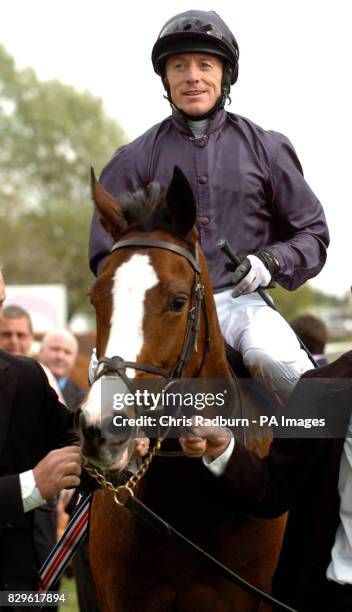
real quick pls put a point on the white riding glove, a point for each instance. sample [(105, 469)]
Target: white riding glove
[(249, 275)]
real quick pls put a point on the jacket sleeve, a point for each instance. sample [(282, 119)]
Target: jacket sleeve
[(11, 506), (118, 177), (269, 486), (266, 486), (300, 220)]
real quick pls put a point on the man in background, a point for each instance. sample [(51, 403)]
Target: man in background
[(59, 353), (314, 334), (16, 331)]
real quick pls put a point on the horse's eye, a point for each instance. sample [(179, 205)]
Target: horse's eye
[(178, 303)]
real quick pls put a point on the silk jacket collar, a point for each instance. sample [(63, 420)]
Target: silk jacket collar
[(215, 122)]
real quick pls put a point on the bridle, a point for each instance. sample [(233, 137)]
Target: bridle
[(109, 366), (117, 365)]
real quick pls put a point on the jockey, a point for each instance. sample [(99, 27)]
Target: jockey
[(248, 185)]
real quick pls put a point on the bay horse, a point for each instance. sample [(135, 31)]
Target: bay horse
[(152, 282)]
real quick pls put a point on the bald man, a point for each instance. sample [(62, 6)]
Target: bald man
[(58, 352)]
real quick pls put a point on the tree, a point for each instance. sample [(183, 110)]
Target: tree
[(305, 299), (50, 136)]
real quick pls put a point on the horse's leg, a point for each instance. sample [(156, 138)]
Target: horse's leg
[(124, 561), (107, 548)]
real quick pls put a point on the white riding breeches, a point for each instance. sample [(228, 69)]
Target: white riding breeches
[(269, 347)]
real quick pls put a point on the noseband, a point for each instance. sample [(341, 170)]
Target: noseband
[(117, 365)]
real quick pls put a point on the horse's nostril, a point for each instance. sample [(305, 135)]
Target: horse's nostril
[(91, 438)]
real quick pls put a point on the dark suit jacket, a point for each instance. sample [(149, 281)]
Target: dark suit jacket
[(73, 394), (32, 422), (299, 475)]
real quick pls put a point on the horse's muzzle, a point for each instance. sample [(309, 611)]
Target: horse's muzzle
[(101, 443)]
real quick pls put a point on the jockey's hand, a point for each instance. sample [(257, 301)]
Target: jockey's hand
[(141, 447), (210, 441), (249, 275)]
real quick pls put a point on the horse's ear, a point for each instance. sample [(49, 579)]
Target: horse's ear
[(181, 203), (110, 211)]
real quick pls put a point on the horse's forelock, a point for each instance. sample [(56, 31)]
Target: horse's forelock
[(146, 208)]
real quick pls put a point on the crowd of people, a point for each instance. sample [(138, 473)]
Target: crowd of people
[(248, 184)]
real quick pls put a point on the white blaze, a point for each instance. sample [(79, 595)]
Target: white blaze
[(131, 282)]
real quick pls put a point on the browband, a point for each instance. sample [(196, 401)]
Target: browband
[(158, 244)]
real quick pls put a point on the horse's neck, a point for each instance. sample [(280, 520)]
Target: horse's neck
[(215, 363)]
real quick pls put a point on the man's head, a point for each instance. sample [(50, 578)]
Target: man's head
[(16, 332), (195, 33), (194, 81), (59, 351), (312, 331)]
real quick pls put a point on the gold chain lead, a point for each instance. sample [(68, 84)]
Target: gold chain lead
[(131, 483)]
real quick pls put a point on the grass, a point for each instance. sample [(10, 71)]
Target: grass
[(68, 585)]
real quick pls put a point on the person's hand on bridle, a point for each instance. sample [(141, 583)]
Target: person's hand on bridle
[(209, 441)]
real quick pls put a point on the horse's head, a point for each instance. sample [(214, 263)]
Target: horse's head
[(148, 301)]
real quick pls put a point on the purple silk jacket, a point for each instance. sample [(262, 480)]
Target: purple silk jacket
[(249, 188)]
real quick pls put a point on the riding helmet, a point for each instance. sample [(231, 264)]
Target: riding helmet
[(196, 32)]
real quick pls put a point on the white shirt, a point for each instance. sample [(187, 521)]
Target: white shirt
[(31, 497), (340, 567), (217, 466)]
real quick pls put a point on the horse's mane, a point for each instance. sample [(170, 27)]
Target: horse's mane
[(146, 208)]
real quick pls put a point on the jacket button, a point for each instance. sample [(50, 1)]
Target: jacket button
[(203, 180), (204, 220), (10, 523)]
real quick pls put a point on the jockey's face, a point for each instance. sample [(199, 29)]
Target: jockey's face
[(195, 81)]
